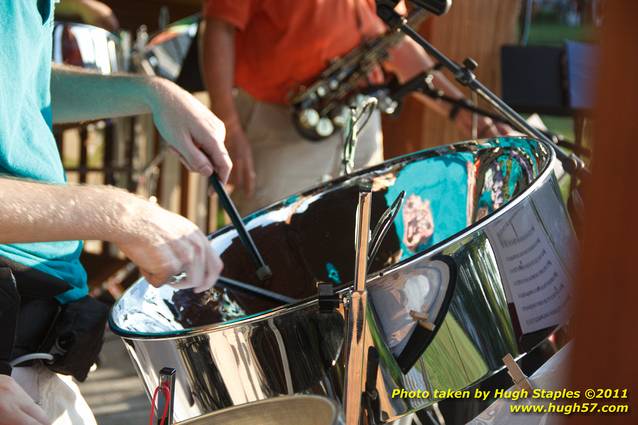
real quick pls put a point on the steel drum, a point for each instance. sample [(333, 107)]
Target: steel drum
[(88, 47), (172, 54), (481, 246), (290, 410)]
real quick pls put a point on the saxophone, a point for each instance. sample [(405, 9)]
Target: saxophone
[(323, 106)]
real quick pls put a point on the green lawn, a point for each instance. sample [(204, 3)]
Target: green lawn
[(556, 34), (560, 125)]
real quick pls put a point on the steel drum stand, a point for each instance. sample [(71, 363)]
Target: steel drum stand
[(357, 309), (464, 74), (361, 399)]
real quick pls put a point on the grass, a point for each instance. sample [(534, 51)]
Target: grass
[(560, 125), (551, 34)]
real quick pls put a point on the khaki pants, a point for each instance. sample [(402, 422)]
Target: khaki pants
[(57, 395), (285, 162)]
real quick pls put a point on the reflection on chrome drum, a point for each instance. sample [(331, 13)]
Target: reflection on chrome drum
[(88, 47), (290, 410), (475, 266)]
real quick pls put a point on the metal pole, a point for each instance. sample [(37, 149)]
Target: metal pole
[(464, 75), (356, 325)]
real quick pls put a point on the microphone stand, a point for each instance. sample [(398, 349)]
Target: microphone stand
[(422, 83), (464, 74)]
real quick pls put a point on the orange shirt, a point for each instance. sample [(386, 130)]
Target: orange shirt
[(281, 44)]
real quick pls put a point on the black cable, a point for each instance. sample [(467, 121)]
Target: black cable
[(226, 282)]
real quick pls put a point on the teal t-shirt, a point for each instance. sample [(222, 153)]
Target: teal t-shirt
[(27, 147)]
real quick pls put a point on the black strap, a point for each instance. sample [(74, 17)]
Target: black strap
[(34, 284), (9, 309)]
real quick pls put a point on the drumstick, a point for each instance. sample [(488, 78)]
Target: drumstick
[(263, 271), (226, 282)]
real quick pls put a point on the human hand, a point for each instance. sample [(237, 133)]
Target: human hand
[(16, 407), (191, 130), (486, 127), (243, 174), (92, 12), (504, 129), (163, 244)]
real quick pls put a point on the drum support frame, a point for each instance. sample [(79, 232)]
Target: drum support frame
[(356, 323)]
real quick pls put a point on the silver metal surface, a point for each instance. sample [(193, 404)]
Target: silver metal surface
[(87, 47), (290, 410), (166, 380), (165, 53), (356, 324), (482, 247)]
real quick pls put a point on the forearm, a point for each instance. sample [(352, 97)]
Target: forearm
[(218, 54), (79, 95), (160, 243), (38, 212), (68, 7)]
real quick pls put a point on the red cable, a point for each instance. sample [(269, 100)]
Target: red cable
[(167, 396)]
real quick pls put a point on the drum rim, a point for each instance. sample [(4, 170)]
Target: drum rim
[(274, 400), (541, 179), (197, 17), (88, 26)]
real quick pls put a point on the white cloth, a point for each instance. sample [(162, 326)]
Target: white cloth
[(57, 395), (285, 162)]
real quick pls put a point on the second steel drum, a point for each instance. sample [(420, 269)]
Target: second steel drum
[(173, 54), (481, 249), (88, 47), (288, 410)]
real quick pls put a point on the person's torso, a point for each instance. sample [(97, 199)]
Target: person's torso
[(287, 42), (27, 147)]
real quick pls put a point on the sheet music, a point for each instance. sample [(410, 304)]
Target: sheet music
[(534, 276)]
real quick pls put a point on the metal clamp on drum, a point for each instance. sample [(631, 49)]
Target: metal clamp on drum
[(166, 396), (328, 299)]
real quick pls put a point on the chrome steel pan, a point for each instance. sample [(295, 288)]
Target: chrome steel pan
[(290, 410), (481, 246), (172, 54), (88, 47)]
